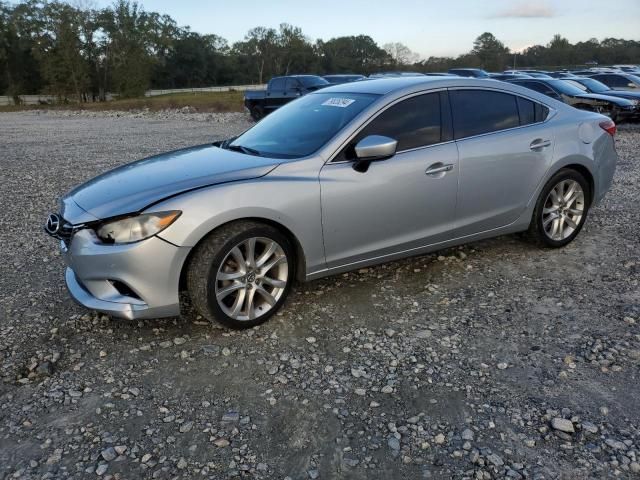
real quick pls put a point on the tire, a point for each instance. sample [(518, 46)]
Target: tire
[(542, 228), (226, 286), (257, 112)]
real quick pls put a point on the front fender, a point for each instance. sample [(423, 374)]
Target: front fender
[(292, 201)]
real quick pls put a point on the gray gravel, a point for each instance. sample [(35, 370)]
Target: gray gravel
[(497, 359)]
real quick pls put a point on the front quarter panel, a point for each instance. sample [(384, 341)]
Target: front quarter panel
[(289, 196)]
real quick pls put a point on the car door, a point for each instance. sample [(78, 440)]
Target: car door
[(397, 204), (504, 148), (292, 89), (275, 93)]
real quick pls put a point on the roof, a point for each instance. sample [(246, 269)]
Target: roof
[(296, 76), (397, 87), (384, 86)]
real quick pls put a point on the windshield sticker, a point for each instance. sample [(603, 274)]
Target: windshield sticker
[(339, 102)]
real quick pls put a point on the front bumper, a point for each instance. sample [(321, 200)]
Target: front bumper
[(133, 281)]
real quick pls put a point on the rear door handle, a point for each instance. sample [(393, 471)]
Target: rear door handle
[(437, 168), (539, 144)]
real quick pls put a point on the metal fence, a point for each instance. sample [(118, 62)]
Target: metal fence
[(238, 88), (51, 99), (29, 99)]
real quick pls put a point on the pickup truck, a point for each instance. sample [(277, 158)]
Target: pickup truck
[(280, 90)]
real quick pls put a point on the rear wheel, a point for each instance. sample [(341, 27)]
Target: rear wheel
[(561, 209), (241, 274), (257, 112)]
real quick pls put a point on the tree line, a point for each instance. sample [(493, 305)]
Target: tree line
[(56, 48)]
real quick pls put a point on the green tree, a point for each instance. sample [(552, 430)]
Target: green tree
[(64, 67), (491, 52), (355, 54), (296, 54), (128, 62), (400, 54), (259, 53)]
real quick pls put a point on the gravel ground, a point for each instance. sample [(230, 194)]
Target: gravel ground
[(494, 360)]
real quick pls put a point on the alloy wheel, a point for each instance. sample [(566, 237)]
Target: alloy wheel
[(563, 210), (251, 278)]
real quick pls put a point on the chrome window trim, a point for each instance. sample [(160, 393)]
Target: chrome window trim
[(409, 150), (552, 113)]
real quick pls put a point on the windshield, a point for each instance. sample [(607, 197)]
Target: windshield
[(594, 85), (313, 81), (563, 87), (303, 126)]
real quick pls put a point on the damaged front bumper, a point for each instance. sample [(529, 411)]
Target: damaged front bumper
[(132, 281)]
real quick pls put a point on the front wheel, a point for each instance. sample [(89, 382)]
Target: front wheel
[(241, 274), (561, 209)]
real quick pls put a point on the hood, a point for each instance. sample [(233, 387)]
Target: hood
[(132, 187), (605, 98), (623, 94)]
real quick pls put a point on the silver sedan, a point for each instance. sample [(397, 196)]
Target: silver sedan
[(349, 176)]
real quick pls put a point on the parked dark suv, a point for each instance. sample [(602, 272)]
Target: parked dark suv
[(280, 90)]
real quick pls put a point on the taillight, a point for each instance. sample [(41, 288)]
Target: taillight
[(609, 126)]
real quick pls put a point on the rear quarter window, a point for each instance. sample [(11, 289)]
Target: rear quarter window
[(530, 111)]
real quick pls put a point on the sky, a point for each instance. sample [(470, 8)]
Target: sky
[(428, 27)]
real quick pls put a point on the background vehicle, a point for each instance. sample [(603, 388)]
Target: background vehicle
[(633, 69), (571, 95), (531, 73), (585, 73), (619, 81), (562, 75), (343, 78), (396, 74), (508, 76), (280, 90), (343, 178), (591, 85), (469, 72)]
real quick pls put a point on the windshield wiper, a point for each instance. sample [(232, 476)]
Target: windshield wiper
[(243, 149)]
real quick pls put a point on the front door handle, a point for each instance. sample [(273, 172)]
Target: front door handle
[(539, 144), (437, 168)]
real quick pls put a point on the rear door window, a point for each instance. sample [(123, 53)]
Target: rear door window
[(482, 111)]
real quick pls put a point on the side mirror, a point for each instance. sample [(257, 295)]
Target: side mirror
[(371, 149), (376, 147)]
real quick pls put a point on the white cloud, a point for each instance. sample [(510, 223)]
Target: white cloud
[(527, 10)]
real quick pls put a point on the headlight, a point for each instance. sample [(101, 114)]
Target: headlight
[(134, 229)]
